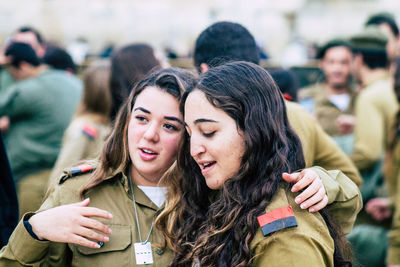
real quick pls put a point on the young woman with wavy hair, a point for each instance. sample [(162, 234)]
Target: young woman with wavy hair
[(230, 206), (113, 225)]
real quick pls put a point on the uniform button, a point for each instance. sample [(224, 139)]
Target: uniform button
[(159, 251)]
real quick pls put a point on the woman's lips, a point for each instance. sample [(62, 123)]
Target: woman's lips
[(147, 154), (207, 167)]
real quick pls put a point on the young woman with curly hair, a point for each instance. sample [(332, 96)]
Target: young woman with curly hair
[(230, 206)]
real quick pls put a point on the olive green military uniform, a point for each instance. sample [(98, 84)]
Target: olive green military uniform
[(375, 110), (318, 148), (308, 244), (31, 191), (325, 111), (392, 176), (83, 140), (112, 195), (316, 98)]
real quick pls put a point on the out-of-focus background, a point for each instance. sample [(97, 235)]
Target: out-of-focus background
[(174, 24)]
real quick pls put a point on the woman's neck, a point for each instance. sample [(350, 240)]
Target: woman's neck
[(141, 180)]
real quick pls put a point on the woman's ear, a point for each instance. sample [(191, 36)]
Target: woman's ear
[(204, 67)]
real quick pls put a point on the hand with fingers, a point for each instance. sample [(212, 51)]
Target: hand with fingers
[(72, 224), (379, 208), (313, 197)]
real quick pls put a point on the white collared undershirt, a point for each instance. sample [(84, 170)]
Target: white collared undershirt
[(157, 194)]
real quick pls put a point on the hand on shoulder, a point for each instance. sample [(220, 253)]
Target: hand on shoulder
[(313, 197)]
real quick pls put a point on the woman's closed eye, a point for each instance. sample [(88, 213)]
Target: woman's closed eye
[(209, 134)]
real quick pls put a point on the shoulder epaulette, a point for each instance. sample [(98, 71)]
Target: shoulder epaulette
[(90, 131), (276, 220), (75, 171)]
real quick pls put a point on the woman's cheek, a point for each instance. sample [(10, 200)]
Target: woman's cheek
[(173, 143)]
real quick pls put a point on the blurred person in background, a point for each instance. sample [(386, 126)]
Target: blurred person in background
[(392, 179), (25, 34), (59, 59), (286, 81), (90, 126), (226, 41), (332, 101), (376, 104), (387, 23), (36, 110), (129, 64), (375, 110)]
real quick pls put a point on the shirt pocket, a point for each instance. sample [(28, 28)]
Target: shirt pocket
[(116, 252)]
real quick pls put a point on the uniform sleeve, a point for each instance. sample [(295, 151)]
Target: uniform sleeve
[(23, 250), (329, 156), (295, 250), (369, 133), (344, 197)]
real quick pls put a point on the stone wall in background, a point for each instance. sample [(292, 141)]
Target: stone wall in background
[(176, 23)]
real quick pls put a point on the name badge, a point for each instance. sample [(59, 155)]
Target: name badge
[(143, 253)]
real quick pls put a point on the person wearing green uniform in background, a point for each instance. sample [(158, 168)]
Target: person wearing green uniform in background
[(392, 178), (332, 101), (38, 108), (85, 136), (374, 110)]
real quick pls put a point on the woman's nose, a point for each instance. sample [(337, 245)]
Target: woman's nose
[(152, 133), (196, 148)]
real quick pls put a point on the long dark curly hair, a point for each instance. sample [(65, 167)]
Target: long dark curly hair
[(217, 227)]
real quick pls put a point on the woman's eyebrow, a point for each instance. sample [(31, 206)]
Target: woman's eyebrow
[(142, 109), (204, 120), (171, 118)]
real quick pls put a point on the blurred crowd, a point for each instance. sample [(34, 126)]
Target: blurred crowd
[(56, 112)]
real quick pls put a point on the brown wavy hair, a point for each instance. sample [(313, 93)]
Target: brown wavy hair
[(217, 227), (115, 154), (96, 97)]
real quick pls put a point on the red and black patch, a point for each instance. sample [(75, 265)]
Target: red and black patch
[(276, 220), (90, 131), (75, 171)]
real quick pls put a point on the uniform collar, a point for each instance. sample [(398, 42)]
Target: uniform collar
[(140, 196), (384, 76)]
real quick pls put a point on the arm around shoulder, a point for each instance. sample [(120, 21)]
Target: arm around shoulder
[(344, 197)]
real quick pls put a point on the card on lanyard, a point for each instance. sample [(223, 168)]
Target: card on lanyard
[(143, 253)]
